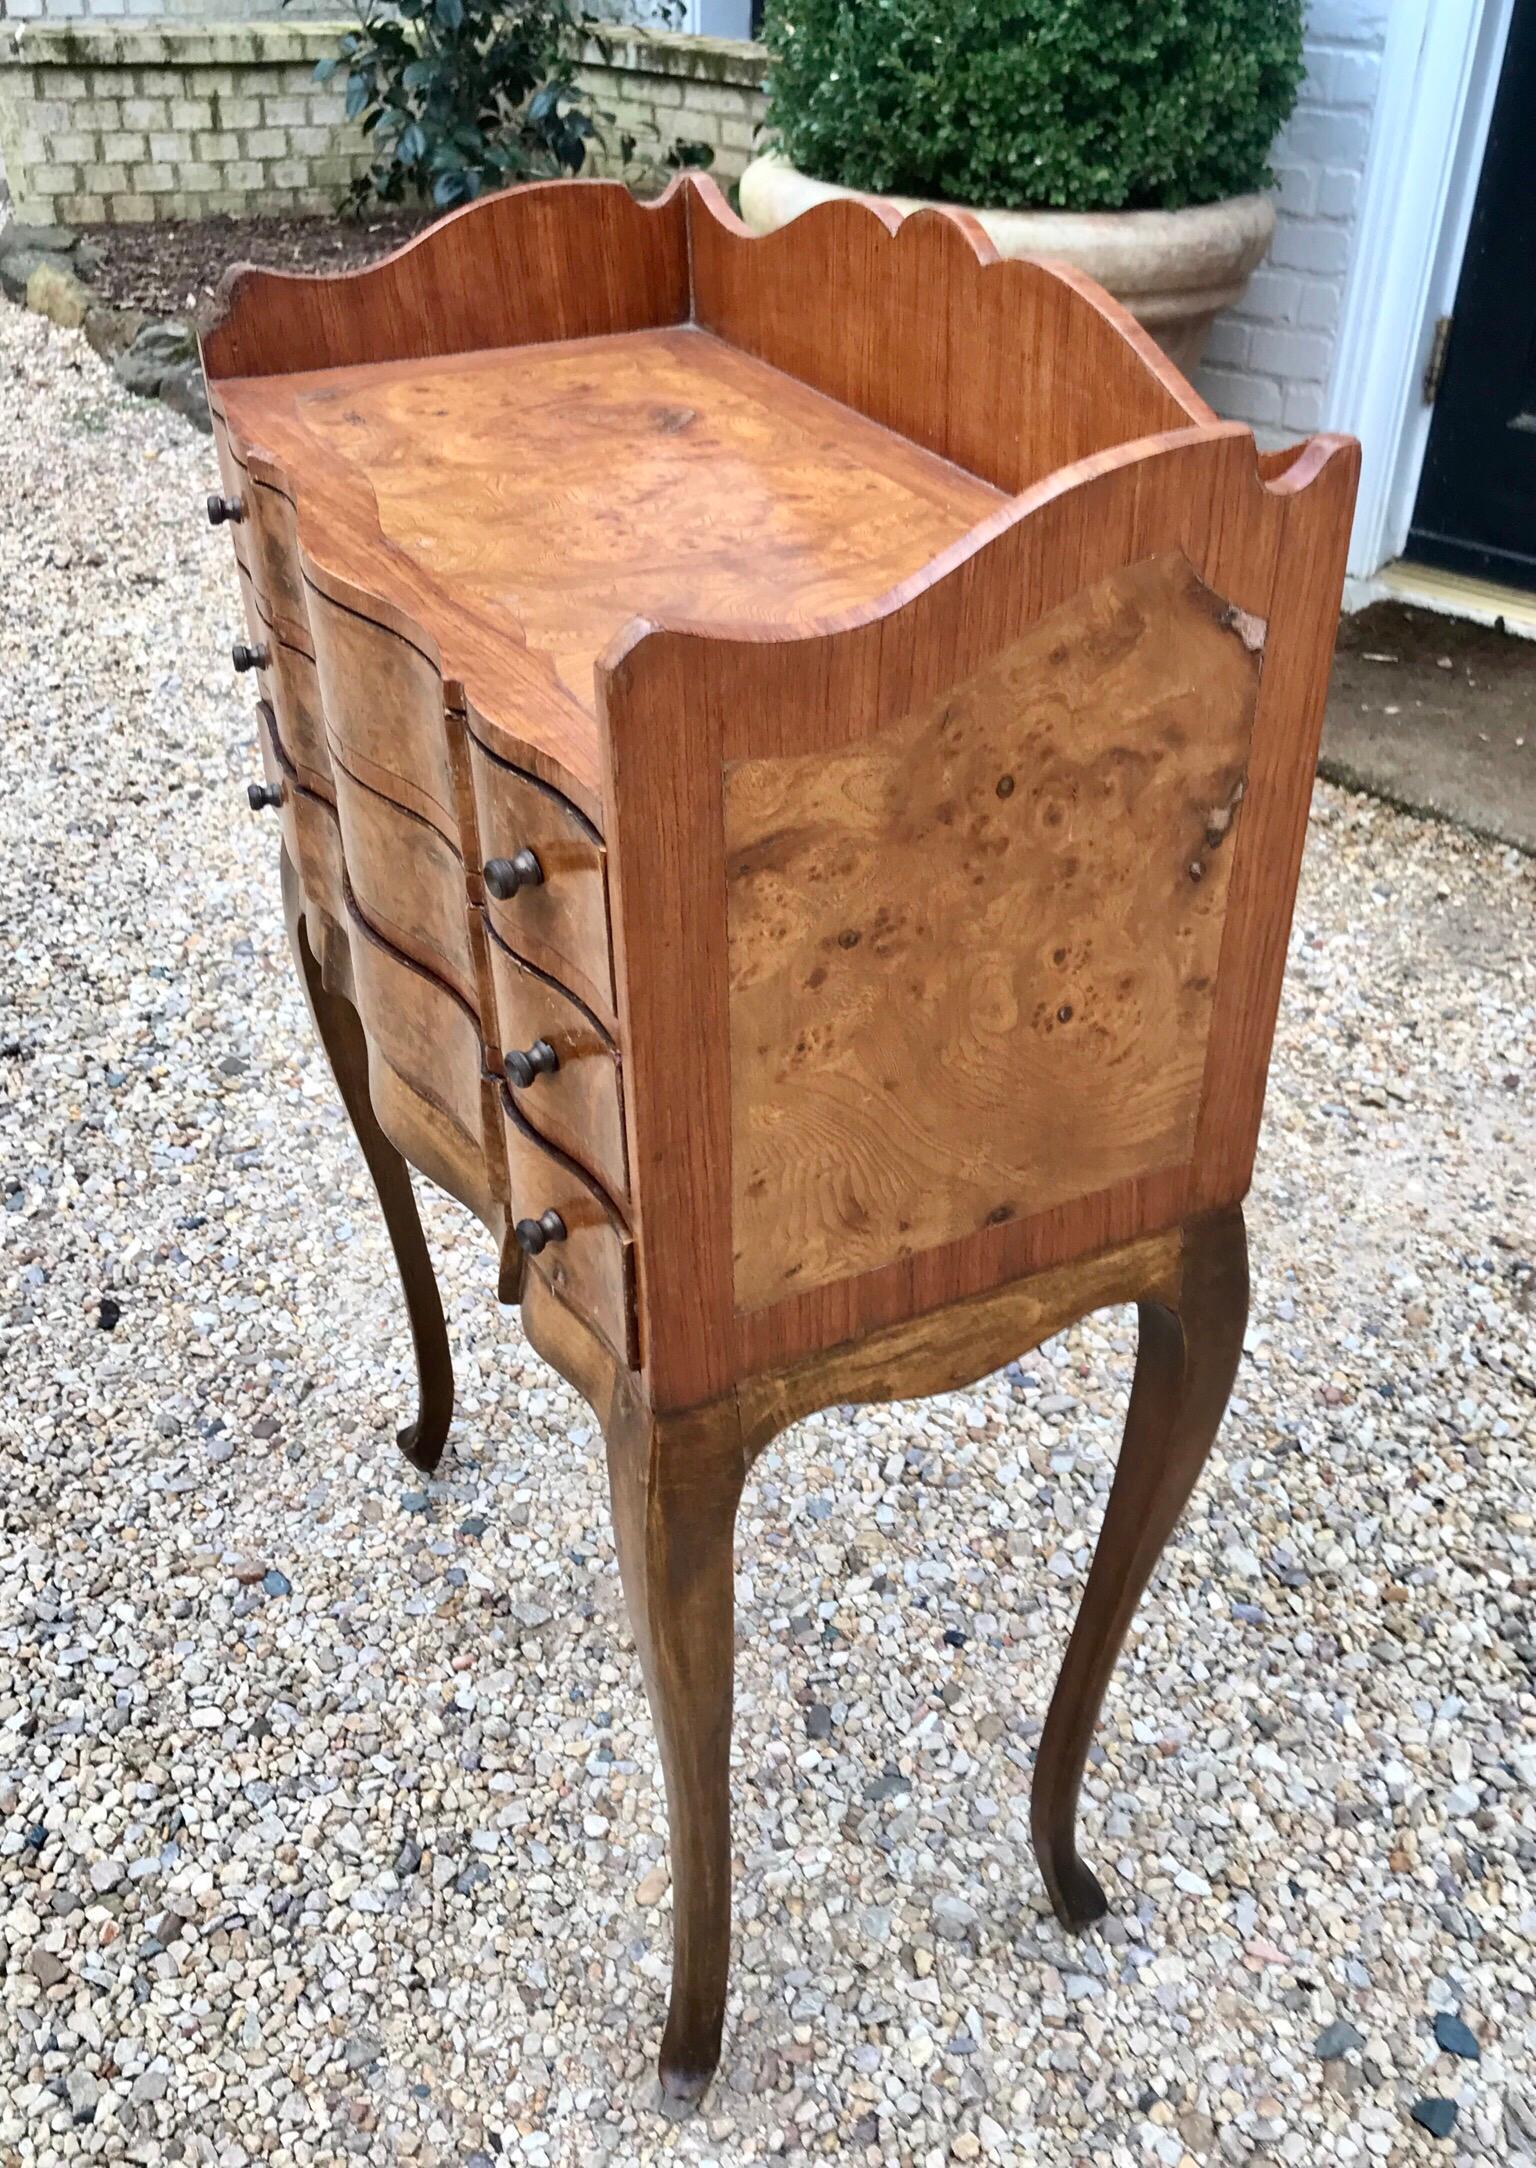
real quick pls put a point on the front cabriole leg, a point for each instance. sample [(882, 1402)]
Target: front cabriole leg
[(1186, 1360), (341, 1034), (675, 1483)]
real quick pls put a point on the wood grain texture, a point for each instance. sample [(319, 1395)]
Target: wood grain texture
[(426, 1077), (657, 473), (310, 835), (1009, 371), (408, 882), (871, 642), (715, 701), (561, 925), (293, 690), (973, 960), (552, 260), (579, 1106), (1012, 370), (340, 1032), (592, 1268)]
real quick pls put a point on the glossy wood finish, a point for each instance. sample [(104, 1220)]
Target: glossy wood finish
[(839, 712), (894, 1089), (591, 1268), (578, 1106), (561, 923), (340, 1032), (408, 883)]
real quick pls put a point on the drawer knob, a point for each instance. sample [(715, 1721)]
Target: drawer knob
[(245, 657), (526, 1068), (505, 876), (260, 797), (535, 1235), (221, 509)]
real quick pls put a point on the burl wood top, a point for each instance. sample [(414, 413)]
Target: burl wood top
[(547, 495)]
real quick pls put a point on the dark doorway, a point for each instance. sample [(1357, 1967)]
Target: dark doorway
[(1476, 508)]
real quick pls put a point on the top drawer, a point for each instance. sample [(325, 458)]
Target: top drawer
[(546, 878)]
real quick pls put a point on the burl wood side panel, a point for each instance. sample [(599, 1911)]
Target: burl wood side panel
[(972, 963), (1271, 548)]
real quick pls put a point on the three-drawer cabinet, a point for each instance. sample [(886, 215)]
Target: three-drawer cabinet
[(792, 759)]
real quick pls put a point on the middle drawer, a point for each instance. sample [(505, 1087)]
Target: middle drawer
[(569, 1090), (408, 881)]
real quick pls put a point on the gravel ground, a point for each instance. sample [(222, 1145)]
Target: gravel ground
[(330, 1824)]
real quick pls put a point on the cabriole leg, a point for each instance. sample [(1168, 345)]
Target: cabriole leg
[(1186, 1360), (341, 1034), (675, 1487)]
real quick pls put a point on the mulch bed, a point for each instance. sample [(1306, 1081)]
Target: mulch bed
[(171, 267)]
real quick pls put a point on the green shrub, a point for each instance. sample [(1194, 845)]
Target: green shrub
[(1073, 104), (461, 97)]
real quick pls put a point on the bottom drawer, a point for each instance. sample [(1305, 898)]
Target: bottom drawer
[(426, 1074), (586, 1254), (310, 833)]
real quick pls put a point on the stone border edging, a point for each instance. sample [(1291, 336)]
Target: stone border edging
[(42, 268)]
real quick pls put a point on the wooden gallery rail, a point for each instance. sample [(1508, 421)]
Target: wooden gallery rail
[(792, 757)]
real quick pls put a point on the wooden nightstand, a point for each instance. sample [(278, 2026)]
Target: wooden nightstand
[(792, 758)]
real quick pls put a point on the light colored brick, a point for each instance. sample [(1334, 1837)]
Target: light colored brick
[(265, 143), (1237, 396), (102, 180), (123, 148), (146, 113), (216, 147), (60, 180), (289, 110)]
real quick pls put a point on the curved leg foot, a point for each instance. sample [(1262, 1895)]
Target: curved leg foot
[(341, 1034), (1185, 1363), (675, 1484)]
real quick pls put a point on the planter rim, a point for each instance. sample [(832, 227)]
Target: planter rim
[(1202, 245)]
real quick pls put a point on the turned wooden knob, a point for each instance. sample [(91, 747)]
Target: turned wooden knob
[(260, 797), (505, 876), (245, 657), (535, 1235), (539, 1060), (221, 509)]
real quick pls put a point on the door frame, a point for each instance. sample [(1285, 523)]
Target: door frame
[(1439, 74)]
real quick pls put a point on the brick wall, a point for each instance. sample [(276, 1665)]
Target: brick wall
[(668, 87), (1270, 359), (127, 121), (123, 121)]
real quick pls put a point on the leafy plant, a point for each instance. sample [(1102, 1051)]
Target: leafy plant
[(461, 97), (1074, 104)]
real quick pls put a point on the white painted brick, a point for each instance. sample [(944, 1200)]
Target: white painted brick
[(1229, 342), (1292, 356), (1303, 408), (1313, 247), (1273, 297), (1338, 192), (1318, 309), (1238, 396)]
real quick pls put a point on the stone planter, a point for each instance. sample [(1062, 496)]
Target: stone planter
[(1172, 269)]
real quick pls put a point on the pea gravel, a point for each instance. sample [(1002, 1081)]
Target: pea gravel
[(330, 1825)]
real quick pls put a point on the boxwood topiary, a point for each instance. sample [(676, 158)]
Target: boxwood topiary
[(1080, 105)]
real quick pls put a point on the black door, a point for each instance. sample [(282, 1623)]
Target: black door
[(1476, 509)]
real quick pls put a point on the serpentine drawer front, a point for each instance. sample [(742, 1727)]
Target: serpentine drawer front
[(792, 758)]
